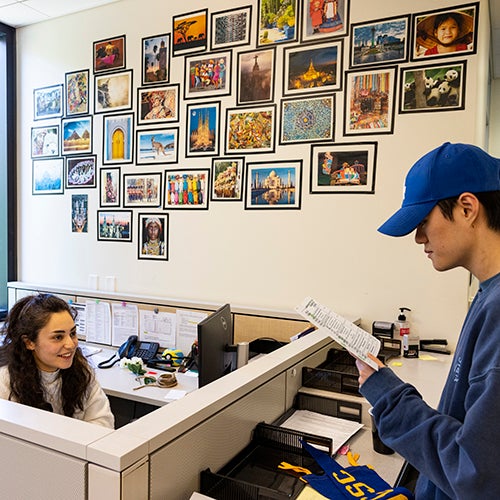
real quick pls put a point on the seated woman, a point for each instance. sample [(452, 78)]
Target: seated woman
[(42, 366)]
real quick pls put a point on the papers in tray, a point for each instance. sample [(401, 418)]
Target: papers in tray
[(338, 429)]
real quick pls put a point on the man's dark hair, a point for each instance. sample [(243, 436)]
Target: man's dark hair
[(490, 201)]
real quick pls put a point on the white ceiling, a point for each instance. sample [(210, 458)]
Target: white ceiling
[(17, 13)]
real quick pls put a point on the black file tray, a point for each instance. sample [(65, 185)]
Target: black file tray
[(253, 474), (337, 374)]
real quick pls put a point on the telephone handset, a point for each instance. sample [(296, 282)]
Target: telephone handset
[(133, 347)]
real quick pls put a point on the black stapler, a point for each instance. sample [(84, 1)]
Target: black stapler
[(434, 345)]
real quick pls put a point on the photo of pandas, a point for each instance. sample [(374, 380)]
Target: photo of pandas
[(433, 88)]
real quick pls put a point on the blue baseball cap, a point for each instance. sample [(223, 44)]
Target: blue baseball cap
[(444, 172)]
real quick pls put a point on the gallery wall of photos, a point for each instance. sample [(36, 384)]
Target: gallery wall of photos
[(382, 68)]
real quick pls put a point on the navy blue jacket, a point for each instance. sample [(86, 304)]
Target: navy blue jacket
[(453, 447)]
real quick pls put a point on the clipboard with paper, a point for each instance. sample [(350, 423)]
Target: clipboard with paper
[(356, 340)]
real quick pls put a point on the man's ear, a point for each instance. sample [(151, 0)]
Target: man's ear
[(469, 206), (30, 345)]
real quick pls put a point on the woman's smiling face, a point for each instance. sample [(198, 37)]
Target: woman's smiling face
[(56, 343)]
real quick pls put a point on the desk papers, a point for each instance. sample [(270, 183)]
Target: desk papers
[(338, 429), (347, 334)]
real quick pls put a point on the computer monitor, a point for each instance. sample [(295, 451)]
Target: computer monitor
[(216, 356)]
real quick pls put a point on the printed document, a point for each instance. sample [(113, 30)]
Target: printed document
[(347, 334)]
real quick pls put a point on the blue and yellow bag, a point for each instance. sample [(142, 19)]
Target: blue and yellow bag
[(355, 482)]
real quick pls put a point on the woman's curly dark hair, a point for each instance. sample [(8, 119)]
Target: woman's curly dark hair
[(24, 321)]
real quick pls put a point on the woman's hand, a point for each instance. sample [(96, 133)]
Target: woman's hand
[(365, 370)]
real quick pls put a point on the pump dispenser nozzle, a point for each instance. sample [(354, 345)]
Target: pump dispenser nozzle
[(402, 316)]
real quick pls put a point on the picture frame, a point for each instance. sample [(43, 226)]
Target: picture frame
[(77, 92), (343, 168), (255, 76), (379, 42), (202, 133), (113, 92), (156, 59), (77, 135), (433, 87), (114, 225), (306, 120), (158, 104), (81, 171), (118, 138), (109, 54), (79, 213), (157, 146), (189, 32), (322, 20), (186, 189), (227, 179), (250, 130), (109, 187), (142, 190), (45, 141), (274, 26), (207, 75), (231, 28), (369, 101), (425, 42), (48, 176), (312, 69), (153, 238), (48, 102), (273, 185)]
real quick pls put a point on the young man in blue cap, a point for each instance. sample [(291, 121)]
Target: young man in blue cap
[(452, 199)]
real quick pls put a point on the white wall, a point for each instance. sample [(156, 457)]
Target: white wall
[(330, 249)]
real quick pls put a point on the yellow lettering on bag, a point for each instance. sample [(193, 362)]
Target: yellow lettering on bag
[(356, 490), (347, 479)]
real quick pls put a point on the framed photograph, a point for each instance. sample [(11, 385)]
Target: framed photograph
[(48, 102), (156, 59), (207, 76), (77, 93), (203, 124), (113, 92), (307, 120), (436, 87), (109, 54), (81, 172), (118, 139), (186, 189), (109, 187), (77, 135), (273, 184), (157, 146), (114, 225), (45, 141), (324, 19), (189, 32), (445, 32), (383, 41), (153, 236), (158, 105), (250, 130), (255, 76), (142, 190), (311, 69), (276, 25), (231, 28), (343, 168), (369, 101), (227, 175), (79, 213), (48, 176)]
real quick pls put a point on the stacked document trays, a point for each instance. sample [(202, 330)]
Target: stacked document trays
[(254, 472)]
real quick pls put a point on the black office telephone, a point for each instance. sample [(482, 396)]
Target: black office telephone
[(133, 347)]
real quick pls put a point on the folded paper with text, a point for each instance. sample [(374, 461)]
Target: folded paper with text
[(356, 340)]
